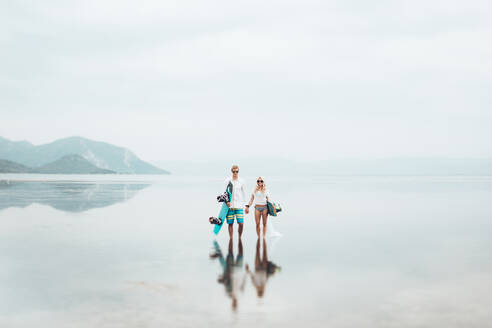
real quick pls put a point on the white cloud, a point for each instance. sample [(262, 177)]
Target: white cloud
[(344, 74)]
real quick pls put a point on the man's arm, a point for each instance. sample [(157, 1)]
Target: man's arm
[(226, 183), (243, 193)]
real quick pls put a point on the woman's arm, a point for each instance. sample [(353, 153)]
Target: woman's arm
[(250, 202)]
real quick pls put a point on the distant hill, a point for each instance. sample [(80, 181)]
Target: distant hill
[(13, 167), (100, 154), (69, 164), (72, 164)]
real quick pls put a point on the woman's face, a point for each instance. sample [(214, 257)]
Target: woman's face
[(260, 181)]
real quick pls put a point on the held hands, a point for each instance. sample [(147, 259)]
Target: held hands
[(246, 210), (228, 204)]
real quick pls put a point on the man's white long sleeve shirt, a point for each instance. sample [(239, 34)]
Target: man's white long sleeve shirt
[(238, 199)]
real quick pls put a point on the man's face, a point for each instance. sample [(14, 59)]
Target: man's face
[(235, 173)]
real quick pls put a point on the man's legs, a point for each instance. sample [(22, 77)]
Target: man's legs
[(238, 214), (240, 221), (240, 229), (230, 221)]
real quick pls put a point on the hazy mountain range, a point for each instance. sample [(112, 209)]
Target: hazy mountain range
[(71, 155), (68, 164)]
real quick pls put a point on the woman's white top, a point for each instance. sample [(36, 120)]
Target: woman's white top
[(260, 198), (238, 194)]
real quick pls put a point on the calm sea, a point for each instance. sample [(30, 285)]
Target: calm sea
[(138, 251)]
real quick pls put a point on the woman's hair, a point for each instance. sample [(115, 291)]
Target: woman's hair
[(263, 188)]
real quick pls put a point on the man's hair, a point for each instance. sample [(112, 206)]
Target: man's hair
[(234, 167)]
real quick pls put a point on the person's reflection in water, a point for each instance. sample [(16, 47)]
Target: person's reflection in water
[(263, 269), (233, 276)]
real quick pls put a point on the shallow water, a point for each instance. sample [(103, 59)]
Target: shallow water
[(137, 251)]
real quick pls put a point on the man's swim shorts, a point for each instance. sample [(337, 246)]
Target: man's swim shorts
[(238, 213)]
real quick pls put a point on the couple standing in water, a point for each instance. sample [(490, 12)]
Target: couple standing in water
[(234, 276), (259, 197)]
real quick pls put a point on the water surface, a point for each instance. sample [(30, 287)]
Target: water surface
[(137, 251)]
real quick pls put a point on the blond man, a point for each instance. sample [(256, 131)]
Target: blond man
[(237, 202)]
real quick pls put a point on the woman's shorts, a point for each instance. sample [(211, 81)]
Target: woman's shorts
[(261, 208), (237, 213)]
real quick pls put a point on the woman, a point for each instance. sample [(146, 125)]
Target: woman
[(260, 197)]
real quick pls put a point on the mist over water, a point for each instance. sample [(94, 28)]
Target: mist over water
[(126, 251)]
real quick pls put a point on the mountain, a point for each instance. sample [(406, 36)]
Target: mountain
[(100, 154), (13, 167), (69, 164), (72, 164)]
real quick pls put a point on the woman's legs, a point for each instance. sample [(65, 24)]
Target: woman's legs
[(257, 220), (264, 214)]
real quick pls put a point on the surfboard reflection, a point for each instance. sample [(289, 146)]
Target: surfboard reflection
[(234, 275)]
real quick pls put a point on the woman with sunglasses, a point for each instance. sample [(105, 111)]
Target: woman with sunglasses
[(260, 198)]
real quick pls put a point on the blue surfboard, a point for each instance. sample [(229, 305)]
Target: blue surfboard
[(223, 211)]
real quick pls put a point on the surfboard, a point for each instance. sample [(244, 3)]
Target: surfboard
[(223, 211)]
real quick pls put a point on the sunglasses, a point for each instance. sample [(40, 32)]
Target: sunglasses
[(258, 181), (235, 171)]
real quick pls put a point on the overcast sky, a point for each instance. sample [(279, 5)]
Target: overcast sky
[(204, 79)]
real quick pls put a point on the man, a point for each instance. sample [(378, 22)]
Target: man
[(237, 201)]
